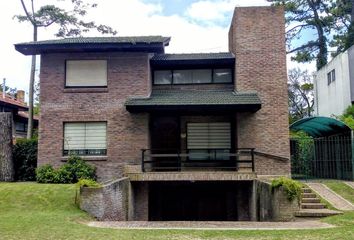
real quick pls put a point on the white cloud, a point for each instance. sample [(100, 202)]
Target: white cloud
[(207, 10), (133, 17)]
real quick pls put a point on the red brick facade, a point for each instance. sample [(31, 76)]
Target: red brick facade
[(128, 75), (257, 40)]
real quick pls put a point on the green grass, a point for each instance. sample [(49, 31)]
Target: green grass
[(341, 188), (42, 211)]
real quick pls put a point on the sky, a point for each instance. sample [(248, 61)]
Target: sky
[(193, 25)]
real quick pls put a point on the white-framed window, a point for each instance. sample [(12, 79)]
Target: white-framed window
[(209, 141), (85, 138), (86, 73)]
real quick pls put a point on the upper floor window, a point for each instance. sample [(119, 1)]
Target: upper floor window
[(331, 76), (192, 76), (86, 73), (85, 138)]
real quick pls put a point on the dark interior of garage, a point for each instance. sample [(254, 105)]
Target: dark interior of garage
[(200, 201)]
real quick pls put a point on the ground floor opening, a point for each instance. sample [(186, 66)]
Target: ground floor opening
[(200, 201)]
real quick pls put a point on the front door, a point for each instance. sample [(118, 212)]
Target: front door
[(165, 139)]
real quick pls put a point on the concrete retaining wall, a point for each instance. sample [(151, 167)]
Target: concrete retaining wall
[(273, 205)]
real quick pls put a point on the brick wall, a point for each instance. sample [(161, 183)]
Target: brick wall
[(256, 37), (128, 75)]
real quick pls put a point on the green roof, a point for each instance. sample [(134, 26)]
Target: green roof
[(195, 99), (320, 126)]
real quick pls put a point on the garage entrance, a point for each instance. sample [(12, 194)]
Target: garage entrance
[(200, 201)]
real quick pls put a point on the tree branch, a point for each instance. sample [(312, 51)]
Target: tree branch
[(27, 13)]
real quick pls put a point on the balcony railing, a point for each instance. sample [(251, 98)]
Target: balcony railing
[(198, 159)]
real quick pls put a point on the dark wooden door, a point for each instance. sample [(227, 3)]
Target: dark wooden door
[(165, 139)]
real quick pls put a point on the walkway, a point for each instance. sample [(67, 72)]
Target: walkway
[(350, 184), (333, 198), (185, 225)]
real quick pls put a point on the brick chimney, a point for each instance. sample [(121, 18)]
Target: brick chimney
[(20, 96), (257, 38)]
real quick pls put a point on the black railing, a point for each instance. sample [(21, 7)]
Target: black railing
[(197, 159)]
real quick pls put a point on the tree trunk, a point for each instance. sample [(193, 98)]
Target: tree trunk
[(7, 171), (31, 90)]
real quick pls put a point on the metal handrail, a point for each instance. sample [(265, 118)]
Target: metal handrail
[(175, 153)]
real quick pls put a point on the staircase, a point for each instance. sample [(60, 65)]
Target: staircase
[(311, 205)]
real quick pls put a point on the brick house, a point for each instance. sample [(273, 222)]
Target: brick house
[(191, 130), (19, 109)]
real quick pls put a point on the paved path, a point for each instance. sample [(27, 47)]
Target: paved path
[(184, 225), (350, 184), (333, 198)]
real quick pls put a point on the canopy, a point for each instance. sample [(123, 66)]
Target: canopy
[(320, 126)]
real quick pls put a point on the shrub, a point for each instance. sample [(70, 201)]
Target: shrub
[(70, 172), (292, 188), (46, 174), (88, 183), (25, 159)]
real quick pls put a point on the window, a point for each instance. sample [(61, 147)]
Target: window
[(222, 75), (331, 76), (86, 73), (163, 77), (85, 138), (20, 127), (192, 76), (209, 141)]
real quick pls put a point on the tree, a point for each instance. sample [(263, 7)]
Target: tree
[(343, 10), (308, 15), (69, 22), (301, 96), (348, 116), (7, 172)]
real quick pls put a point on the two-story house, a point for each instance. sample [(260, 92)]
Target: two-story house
[(334, 85), (187, 135)]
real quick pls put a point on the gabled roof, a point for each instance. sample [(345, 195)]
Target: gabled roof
[(12, 103), (153, 44), (199, 100), (222, 58)]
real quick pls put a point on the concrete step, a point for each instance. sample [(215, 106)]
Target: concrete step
[(316, 213), (310, 200), (312, 206), (306, 190), (308, 195)]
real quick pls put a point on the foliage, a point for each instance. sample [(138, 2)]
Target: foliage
[(25, 159), (88, 183), (344, 38), (46, 174), (348, 117), (34, 211), (291, 187), (303, 152), (303, 16), (301, 94), (76, 168)]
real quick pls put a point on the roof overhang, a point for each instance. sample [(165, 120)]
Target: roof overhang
[(224, 101), (122, 44)]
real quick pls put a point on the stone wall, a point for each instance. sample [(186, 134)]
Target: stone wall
[(273, 205), (109, 202)]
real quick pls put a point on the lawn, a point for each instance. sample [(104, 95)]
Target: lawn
[(341, 188), (43, 211)]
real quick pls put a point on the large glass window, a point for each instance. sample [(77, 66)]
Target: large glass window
[(86, 73), (192, 76), (209, 141), (88, 138)]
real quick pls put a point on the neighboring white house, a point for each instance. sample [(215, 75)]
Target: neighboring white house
[(334, 85)]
